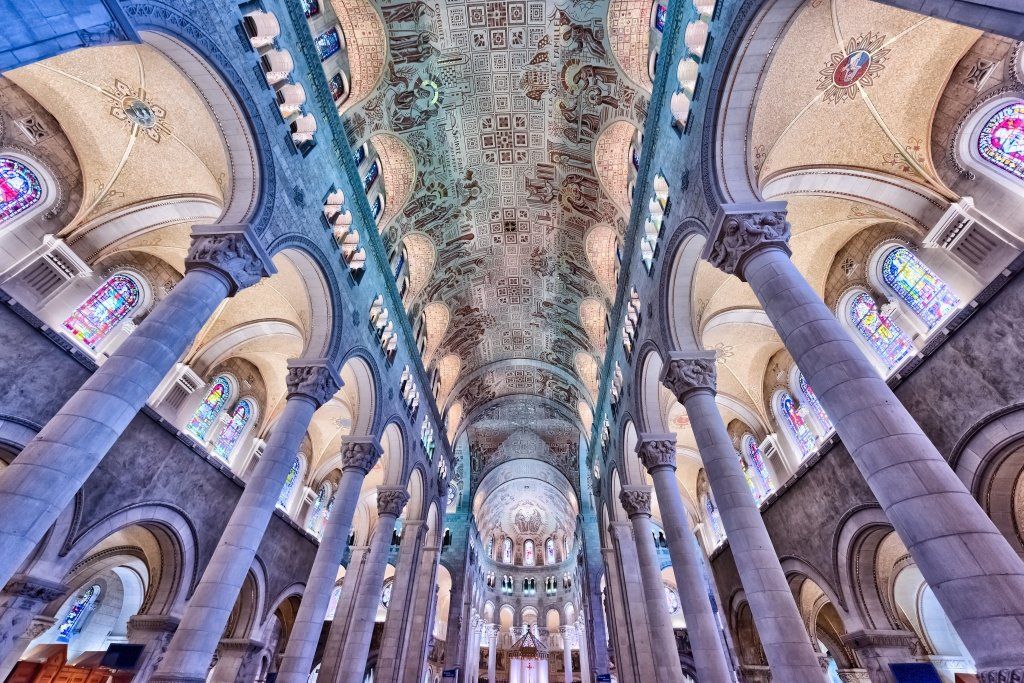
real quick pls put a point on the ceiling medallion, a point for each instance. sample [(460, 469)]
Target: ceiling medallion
[(858, 66), (133, 108)]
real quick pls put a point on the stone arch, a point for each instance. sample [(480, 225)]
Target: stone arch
[(398, 171), (611, 158), (856, 543), (677, 307), (394, 458), (416, 508), (648, 389), (360, 374), (633, 470), (247, 612), (325, 328)]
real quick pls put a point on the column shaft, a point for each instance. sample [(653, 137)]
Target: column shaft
[(421, 624), (976, 576), (37, 486), (396, 637), (566, 655), (492, 654)]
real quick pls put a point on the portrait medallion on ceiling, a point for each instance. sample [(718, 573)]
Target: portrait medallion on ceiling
[(856, 67)]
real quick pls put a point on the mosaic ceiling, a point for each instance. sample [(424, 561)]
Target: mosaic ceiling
[(502, 105)]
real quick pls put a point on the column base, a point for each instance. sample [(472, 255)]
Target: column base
[(1012, 675)]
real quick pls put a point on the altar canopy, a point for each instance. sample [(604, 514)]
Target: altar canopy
[(528, 660)]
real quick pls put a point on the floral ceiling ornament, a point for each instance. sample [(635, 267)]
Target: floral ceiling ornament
[(857, 66), (141, 114)]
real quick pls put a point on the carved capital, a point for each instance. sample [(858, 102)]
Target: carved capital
[(657, 451), (359, 453), (1011, 675), (685, 373), (33, 588), (743, 229), (316, 380), (232, 251), (636, 500), (391, 500)]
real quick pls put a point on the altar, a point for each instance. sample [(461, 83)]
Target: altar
[(528, 660)]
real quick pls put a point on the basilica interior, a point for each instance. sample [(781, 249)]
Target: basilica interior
[(512, 341)]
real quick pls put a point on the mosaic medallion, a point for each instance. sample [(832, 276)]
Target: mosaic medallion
[(856, 67), (142, 115)]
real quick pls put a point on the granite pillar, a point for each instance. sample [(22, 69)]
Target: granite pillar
[(566, 632), (397, 626), (975, 574), (41, 482), (310, 385), (21, 604), (492, 653), (657, 452)]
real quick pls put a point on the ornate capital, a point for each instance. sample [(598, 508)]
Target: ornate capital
[(233, 252), (317, 380), (742, 229), (33, 588), (657, 451), (359, 453), (685, 373), (636, 500), (1012, 675), (391, 500)]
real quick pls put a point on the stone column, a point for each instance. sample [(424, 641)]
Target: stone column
[(310, 385), (581, 640), (636, 500), (473, 655), (658, 454), (40, 483), (359, 455), (977, 578), (877, 649), (23, 599), (421, 629), (237, 659), (792, 658), (634, 646), (390, 501), (492, 653), (567, 652), (153, 632), (396, 637)]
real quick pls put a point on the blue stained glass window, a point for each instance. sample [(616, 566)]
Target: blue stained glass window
[(921, 289), (660, 15), (337, 86), (885, 337), (289, 483), (714, 519), (1001, 141), (798, 427), (811, 399), (20, 188), (76, 615), (757, 460), (635, 157), (360, 154), (327, 44), (207, 412), (371, 176), (549, 551), (310, 8), (321, 511), (378, 207), (754, 488), (228, 437), (108, 306)]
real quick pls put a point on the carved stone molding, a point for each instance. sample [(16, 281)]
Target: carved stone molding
[(34, 588), (1012, 675), (854, 676), (741, 230), (391, 500), (636, 500), (685, 373), (314, 379), (874, 640), (241, 645), (359, 453), (233, 252), (657, 451)]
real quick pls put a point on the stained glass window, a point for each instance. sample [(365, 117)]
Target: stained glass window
[(327, 44), (635, 157), (660, 15), (320, 511), (207, 412), (378, 207), (921, 289), (1001, 141), (795, 423), (811, 400), (337, 86), (360, 155), (885, 337), (506, 551), (310, 8), (549, 551), (529, 559), (20, 189), (228, 437), (371, 176), (385, 593), (108, 306), (490, 547), (453, 493), (74, 620), (332, 605), (289, 483), (757, 460), (672, 598), (714, 519), (754, 488)]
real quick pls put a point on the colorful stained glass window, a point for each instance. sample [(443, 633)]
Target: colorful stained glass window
[(371, 176), (332, 604), (490, 547), (228, 437), (672, 598), (885, 337), (108, 306), (378, 207), (660, 15), (811, 400), (506, 551), (360, 154), (921, 289), (757, 460), (337, 86), (289, 483), (76, 615), (327, 44), (206, 414), (321, 511), (310, 8), (20, 188), (529, 559), (714, 519), (798, 428), (754, 488), (549, 551), (1001, 141)]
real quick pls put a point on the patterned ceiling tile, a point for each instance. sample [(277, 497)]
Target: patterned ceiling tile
[(629, 30)]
